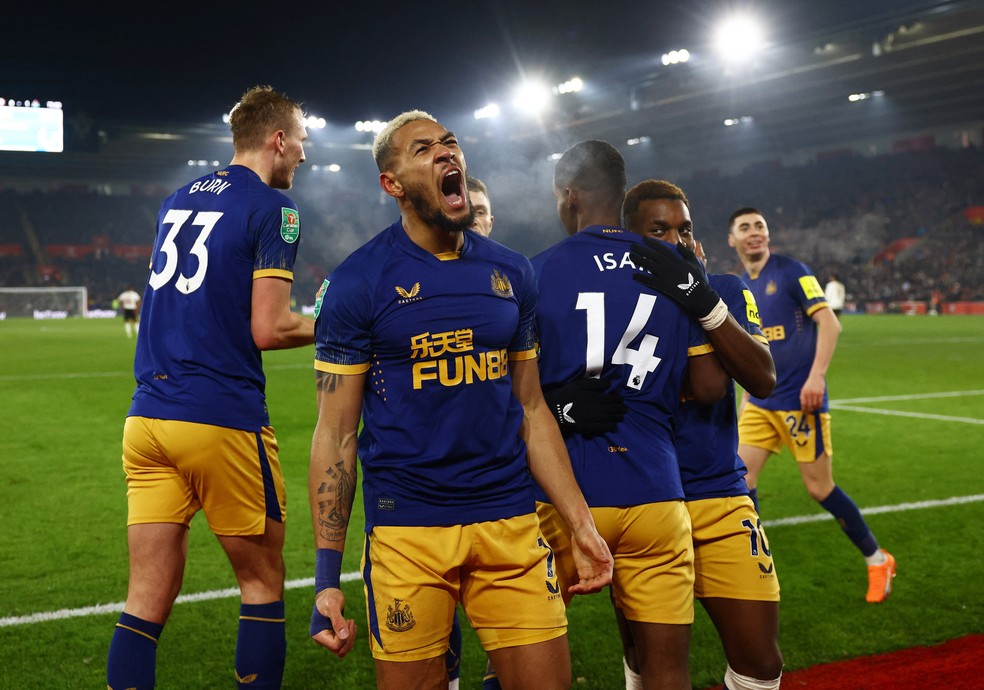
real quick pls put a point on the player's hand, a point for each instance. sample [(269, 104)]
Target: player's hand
[(329, 627), (678, 274), (699, 253), (811, 394), (583, 407), (593, 560)]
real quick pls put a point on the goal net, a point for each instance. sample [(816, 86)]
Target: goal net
[(43, 302)]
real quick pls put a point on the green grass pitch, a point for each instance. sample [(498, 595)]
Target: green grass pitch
[(899, 441)]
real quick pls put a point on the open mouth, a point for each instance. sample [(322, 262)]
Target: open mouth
[(453, 188)]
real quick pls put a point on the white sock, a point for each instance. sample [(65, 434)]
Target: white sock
[(877, 558), (453, 684), (633, 681), (129, 333), (736, 681)]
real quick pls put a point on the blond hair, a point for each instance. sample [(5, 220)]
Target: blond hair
[(382, 145), (260, 111)]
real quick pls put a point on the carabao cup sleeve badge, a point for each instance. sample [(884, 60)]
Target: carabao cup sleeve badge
[(320, 297), (290, 225)]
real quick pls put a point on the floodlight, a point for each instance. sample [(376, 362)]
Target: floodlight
[(739, 38), (375, 126), (334, 167), (532, 98), (488, 111), (571, 86), (865, 95), (676, 57)]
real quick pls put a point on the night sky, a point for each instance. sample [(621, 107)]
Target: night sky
[(148, 63)]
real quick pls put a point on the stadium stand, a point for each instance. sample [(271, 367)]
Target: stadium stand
[(896, 227)]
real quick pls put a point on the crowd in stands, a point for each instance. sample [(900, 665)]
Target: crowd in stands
[(894, 227)]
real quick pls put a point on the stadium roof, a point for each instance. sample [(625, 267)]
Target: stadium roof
[(152, 88), (872, 82)]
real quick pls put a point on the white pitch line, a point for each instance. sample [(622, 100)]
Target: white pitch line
[(911, 396), (878, 510), (899, 413), (101, 609)]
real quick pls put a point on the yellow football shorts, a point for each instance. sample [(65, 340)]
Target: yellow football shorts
[(732, 559), (174, 469), (500, 570), (653, 580), (806, 434)]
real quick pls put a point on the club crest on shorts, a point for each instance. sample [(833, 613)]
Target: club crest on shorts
[(399, 619), (501, 285)]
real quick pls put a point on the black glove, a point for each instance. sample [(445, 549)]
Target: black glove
[(583, 407), (679, 275)]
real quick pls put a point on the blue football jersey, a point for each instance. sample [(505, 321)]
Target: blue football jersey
[(787, 295), (196, 360), (706, 436), (440, 440), (594, 320)]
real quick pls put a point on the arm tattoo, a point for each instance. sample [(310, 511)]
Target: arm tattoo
[(333, 515), (326, 382)]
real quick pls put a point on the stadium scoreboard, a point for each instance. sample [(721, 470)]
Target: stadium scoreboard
[(29, 126)]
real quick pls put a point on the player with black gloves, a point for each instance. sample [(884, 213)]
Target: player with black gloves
[(677, 273), (680, 276), (584, 407)]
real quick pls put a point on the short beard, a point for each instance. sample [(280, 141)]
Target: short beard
[(434, 215)]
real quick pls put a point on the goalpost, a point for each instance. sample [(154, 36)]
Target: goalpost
[(43, 302)]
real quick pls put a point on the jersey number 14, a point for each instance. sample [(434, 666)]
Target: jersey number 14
[(641, 359)]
